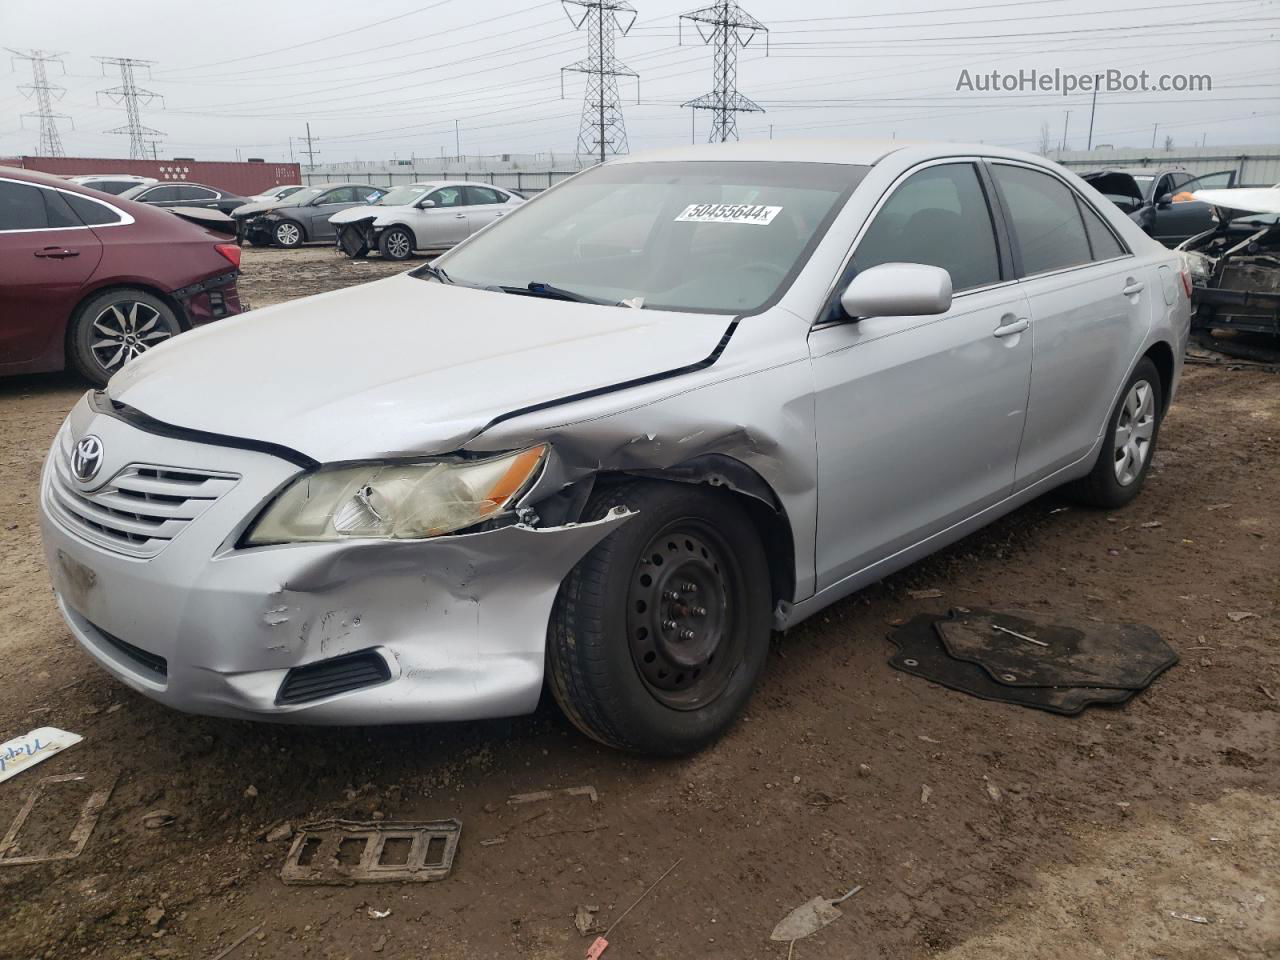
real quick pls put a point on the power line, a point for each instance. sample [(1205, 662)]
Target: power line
[(730, 27), (602, 129), (130, 96), (44, 93)]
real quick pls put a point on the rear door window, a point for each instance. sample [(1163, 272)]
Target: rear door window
[(194, 193), (22, 207), (480, 195), (1045, 222), (159, 194)]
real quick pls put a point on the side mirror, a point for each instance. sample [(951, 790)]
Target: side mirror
[(898, 290), (1165, 200), (424, 204)]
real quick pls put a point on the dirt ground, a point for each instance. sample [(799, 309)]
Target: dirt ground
[(1101, 828)]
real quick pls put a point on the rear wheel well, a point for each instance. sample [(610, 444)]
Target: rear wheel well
[(1161, 354), (183, 321)]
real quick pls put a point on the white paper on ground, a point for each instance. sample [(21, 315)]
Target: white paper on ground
[(20, 753)]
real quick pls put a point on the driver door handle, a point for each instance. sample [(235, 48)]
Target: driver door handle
[(1133, 287), (1012, 327), (57, 253), (459, 216)]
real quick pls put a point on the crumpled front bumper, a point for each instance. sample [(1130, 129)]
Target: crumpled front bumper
[(460, 621)]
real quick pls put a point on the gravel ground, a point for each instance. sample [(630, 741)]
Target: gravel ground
[(1100, 829)]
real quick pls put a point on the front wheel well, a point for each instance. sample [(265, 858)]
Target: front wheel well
[(732, 478)]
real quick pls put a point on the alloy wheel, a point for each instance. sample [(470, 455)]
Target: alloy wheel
[(124, 330), (398, 245), (287, 234), (1135, 428), (679, 616)]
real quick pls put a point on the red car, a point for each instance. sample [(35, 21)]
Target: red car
[(89, 281)]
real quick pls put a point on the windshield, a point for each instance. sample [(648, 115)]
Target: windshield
[(282, 192), (401, 196), (302, 196), (134, 191), (708, 236)]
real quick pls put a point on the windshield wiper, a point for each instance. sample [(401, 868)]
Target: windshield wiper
[(432, 271), (539, 289)]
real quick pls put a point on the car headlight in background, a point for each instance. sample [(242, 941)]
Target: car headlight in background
[(395, 501)]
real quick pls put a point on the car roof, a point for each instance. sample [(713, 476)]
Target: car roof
[(856, 152)]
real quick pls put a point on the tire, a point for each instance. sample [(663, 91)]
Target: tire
[(1114, 481), (114, 327), (396, 243), (617, 671), (287, 234)]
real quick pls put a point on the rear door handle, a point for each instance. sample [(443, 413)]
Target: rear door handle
[(1133, 287), (57, 253), (1012, 327), (459, 216)]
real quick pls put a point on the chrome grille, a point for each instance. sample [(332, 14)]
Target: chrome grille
[(139, 510)]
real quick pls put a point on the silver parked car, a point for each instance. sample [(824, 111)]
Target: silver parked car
[(421, 216), (610, 442)]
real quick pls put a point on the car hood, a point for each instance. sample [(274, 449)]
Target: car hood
[(249, 209), (352, 214), (1243, 200), (400, 366)]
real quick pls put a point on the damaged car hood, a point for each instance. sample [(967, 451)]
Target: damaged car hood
[(401, 366), (355, 214), (1243, 200)]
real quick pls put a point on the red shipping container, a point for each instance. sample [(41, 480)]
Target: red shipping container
[(244, 178)]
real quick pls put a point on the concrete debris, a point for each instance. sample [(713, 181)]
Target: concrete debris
[(281, 832), (1236, 616), (584, 918), (926, 792), (519, 798)]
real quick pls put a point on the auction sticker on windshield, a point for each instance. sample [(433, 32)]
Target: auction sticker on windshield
[(728, 213)]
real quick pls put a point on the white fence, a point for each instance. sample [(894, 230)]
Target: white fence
[(1255, 165)]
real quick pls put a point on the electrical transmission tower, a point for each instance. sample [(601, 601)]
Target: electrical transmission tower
[(311, 150), (728, 27), (130, 95), (602, 130), (44, 94)]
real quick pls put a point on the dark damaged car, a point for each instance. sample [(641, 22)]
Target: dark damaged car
[(302, 217)]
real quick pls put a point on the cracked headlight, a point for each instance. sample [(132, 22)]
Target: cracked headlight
[(395, 501)]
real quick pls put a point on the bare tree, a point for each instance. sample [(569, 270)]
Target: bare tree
[(1168, 144), (1044, 139)]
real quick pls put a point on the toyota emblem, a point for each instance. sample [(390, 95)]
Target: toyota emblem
[(86, 458)]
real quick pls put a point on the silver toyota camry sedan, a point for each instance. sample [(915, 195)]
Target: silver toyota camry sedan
[(609, 443)]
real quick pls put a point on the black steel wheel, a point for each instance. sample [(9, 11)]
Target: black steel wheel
[(659, 633), (679, 620)]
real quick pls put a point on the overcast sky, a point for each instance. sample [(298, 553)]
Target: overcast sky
[(389, 78)]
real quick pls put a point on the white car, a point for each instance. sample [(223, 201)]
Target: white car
[(113, 183), (275, 193), (421, 216)]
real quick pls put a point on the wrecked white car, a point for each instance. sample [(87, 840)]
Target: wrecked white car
[(609, 443), (1235, 266), (421, 216)]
